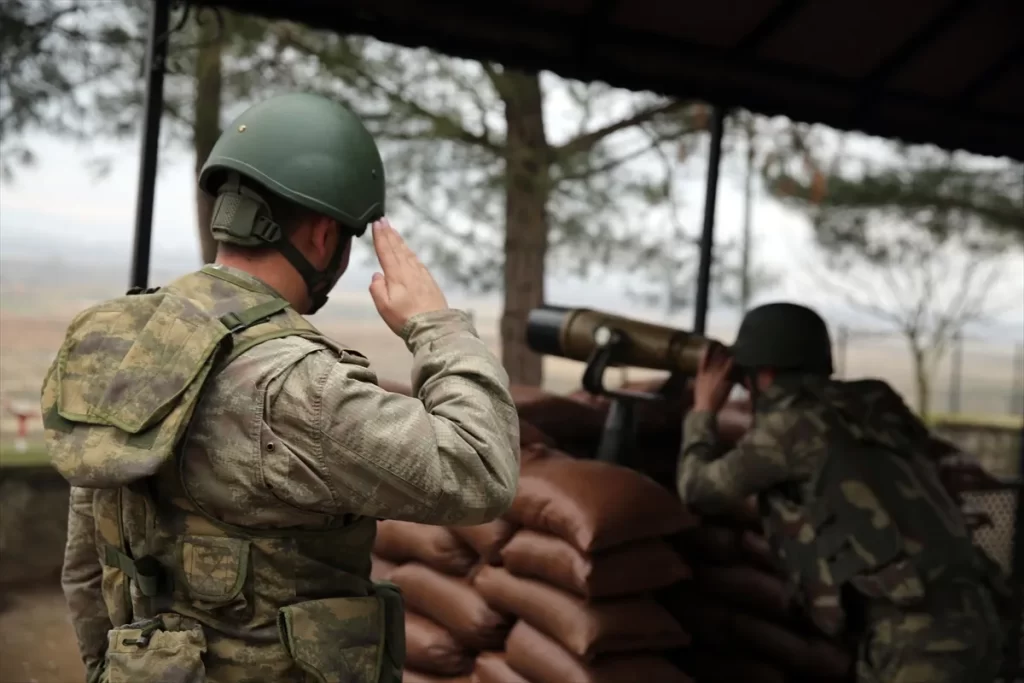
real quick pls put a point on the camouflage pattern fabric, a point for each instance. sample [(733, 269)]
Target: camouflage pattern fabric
[(873, 515), (82, 581), (916, 647), (291, 452)]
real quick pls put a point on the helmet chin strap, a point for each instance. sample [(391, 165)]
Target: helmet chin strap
[(318, 282)]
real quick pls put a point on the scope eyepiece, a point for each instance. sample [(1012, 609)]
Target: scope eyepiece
[(544, 329)]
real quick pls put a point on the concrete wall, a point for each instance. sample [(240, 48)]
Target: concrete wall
[(33, 524)]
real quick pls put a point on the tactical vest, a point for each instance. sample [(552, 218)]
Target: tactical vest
[(875, 521), (191, 598)]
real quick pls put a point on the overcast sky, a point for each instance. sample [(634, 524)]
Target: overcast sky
[(60, 205)]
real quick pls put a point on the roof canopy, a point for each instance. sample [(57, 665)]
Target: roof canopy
[(948, 72)]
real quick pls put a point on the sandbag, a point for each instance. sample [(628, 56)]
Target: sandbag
[(539, 451), (628, 569), (540, 659), (585, 629), (452, 603), (594, 505), (728, 666), (566, 421), (748, 588), (530, 434), (815, 657), (410, 676), (430, 648), (486, 539), (434, 546), (741, 515), (491, 667), (717, 546), (380, 569)]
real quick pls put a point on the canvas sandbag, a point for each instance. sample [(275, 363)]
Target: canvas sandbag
[(486, 539), (430, 648), (380, 569), (717, 545), (594, 505), (452, 603), (637, 567), (434, 546), (747, 588), (411, 676), (742, 515), (539, 451), (573, 425), (540, 659), (530, 434), (491, 667), (728, 666), (794, 652), (586, 629), (706, 620)]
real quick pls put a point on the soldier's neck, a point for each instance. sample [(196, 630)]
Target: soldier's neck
[(275, 272)]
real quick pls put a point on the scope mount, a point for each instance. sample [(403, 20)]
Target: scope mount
[(618, 438)]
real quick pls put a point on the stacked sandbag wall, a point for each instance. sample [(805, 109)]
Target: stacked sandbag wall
[(597, 573)]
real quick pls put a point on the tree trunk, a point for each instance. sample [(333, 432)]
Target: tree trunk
[(526, 221), (922, 382), (207, 127)]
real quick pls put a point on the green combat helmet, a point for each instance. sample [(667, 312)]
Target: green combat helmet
[(307, 150), (783, 336)]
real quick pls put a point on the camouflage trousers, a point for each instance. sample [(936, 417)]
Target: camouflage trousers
[(962, 643)]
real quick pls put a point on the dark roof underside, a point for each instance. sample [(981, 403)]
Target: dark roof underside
[(948, 72)]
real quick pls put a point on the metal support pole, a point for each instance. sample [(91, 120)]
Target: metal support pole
[(707, 240), (156, 55)]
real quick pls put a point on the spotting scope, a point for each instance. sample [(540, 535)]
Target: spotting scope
[(580, 333)]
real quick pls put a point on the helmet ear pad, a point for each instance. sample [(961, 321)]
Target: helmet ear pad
[(242, 217)]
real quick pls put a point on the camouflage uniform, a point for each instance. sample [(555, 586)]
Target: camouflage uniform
[(853, 504), (228, 463)]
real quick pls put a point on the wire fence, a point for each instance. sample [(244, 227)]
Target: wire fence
[(975, 377)]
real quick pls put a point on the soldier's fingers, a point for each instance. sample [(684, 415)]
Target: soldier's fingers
[(385, 253), (400, 250), (404, 252)]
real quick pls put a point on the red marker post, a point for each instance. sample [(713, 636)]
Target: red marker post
[(22, 414)]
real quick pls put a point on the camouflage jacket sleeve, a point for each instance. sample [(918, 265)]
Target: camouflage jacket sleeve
[(81, 579), (713, 485), (448, 456)]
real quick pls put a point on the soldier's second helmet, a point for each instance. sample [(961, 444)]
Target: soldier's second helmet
[(783, 336), (306, 149)]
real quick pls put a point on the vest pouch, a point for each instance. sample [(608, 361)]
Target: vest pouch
[(346, 640), (215, 570), (168, 648)]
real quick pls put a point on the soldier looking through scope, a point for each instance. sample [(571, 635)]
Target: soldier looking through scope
[(851, 502)]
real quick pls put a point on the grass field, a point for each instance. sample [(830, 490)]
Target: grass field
[(34, 456)]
